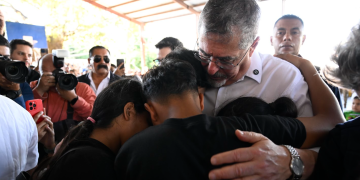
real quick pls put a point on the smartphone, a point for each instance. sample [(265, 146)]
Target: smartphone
[(35, 106), (119, 61)]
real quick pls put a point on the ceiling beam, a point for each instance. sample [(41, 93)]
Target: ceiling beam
[(122, 4), (149, 8), (169, 18), (114, 12), (189, 8), (159, 13)]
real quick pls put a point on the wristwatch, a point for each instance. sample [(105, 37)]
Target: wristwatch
[(296, 164), (12, 94)]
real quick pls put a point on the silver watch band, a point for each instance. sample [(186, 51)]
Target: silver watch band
[(294, 155)]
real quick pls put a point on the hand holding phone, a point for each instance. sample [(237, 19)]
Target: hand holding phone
[(35, 106), (119, 61)]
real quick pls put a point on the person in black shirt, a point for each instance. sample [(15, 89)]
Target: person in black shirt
[(89, 149), (182, 143), (339, 156)]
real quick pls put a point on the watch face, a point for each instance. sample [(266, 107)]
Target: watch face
[(297, 166)]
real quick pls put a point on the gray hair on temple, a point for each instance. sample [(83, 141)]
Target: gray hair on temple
[(231, 17), (347, 58)]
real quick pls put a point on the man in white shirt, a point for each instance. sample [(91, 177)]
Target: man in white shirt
[(19, 142), (227, 42), (235, 69), (100, 76)]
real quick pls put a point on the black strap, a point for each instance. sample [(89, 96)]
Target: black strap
[(70, 111)]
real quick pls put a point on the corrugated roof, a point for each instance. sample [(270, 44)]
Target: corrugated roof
[(145, 11)]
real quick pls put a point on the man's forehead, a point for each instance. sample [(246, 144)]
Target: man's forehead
[(289, 24), (100, 51), (23, 48)]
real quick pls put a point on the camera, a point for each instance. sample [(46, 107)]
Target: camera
[(65, 81), (14, 71)]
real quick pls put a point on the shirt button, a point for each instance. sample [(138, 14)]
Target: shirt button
[(256, 72)]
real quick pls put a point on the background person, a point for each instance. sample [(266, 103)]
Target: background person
[(100, 76), (165, 46), (288, 37), (18, 92)]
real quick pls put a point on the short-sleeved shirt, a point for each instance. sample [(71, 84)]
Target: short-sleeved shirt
[(268, 78), (18, 140), (339, 156), (93, 160), (182, 148)]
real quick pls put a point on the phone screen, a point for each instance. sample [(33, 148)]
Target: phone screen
[(119, 61)]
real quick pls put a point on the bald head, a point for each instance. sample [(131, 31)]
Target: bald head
[(46, 64)]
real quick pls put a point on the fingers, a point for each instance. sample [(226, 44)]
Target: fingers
[(120, 65), (240, 171), (250, 137), (37, 116), (237, 155)]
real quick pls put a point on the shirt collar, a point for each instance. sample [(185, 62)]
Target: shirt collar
[(255, 70), (90, 75)]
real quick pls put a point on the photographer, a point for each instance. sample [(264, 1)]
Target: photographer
[(61, 104), (19, 92), (22, 50)]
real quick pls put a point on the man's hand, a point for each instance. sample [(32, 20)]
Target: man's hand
[(65, 94), (263, 160), (46, 81), (295, 60), (46, 134), (120, 72), (8, 85)]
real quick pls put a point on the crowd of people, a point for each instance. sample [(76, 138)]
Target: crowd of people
[(223, 111)]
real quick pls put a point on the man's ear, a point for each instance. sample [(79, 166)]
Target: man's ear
[(201, 98), (271, 41), (253, 46), (129, 111), (303, 40), (150, 108)]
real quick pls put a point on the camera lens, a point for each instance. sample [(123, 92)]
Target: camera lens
[(67, 81), (13, 70), (30, 103), (31, 108), (34, 105)]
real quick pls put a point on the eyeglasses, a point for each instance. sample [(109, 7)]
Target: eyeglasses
[(98, 59), (223, 64), (157, 61)]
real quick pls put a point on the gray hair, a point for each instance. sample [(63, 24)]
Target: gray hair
[(347, 57), (229, 17)]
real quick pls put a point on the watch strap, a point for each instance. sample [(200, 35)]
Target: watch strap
[(294, 154), (12, 94)]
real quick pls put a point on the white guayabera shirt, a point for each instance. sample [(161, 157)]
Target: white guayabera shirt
[(268, 78), (18, 140)]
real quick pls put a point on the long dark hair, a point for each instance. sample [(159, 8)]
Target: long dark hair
[(108, 105), (283, 106)]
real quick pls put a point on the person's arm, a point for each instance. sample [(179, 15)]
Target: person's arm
[(85, 99), (256, 164), (325, 106)]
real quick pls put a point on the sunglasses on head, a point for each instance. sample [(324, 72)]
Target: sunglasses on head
[(98, 59)]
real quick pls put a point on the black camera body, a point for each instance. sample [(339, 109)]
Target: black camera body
[(65, 81), (14, 71)]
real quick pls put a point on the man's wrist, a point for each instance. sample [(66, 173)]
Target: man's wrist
[(74, 100), (288, 173)]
